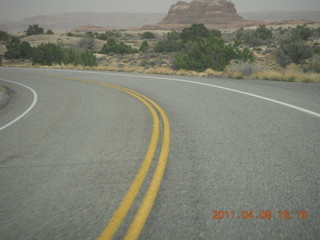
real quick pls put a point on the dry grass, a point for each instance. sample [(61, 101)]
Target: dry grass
[(288, 76), (292, 73)]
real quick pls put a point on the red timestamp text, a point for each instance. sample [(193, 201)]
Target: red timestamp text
[(262, 214)]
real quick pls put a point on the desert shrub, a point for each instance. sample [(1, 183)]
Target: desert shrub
[(86, 42), (202, 49), (215, 33), (113, 34), (253, 38), (118, 48), (302, 32), (77, 34), (314, 65), (247, 37), (49, 32), (89, 35), (205, 53), (144, 46), (88, 59), (71, 57), (34, 30), (85, 58), (168, 46), (144, 63), (148, 35), (262, 32), (4, 36), (47, 54), (102, 36), (244, 55), (173, 35), (244, 68), (172, 43), (292, 50), (194, 32), (198, 31), (17, 49)]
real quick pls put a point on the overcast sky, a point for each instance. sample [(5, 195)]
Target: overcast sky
[(13, 10)]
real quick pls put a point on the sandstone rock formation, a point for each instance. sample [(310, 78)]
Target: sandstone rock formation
[(212, 13), (202, 11)]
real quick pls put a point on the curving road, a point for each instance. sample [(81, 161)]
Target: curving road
[(71, 146)]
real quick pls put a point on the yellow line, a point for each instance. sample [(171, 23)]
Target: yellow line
[(128, 200), (148, 201)]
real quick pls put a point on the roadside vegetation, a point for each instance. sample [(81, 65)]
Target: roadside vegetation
[(281, 54), (45, 54)]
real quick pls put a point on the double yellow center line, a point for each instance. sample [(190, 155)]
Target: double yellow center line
[(147, 203)]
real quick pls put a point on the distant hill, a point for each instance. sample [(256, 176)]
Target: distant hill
[(282, 16), (68, 21)]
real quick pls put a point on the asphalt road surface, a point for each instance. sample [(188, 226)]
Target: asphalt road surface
[(243, 163)]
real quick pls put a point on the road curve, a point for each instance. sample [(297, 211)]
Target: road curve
[(243, 162)]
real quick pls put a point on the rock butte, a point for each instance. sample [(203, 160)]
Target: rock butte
[(212, 13)]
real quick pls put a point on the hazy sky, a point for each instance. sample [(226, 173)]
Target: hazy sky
[(19, 9)]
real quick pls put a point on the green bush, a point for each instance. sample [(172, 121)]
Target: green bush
[(49, 32), (117, 48), (194, 32), (173, 35), (71, 57), (102, 36), (89, 35), (88, 59), (253, 38), (244, 55), (212, 52), (34, 30), (262, 32), (144, 46), (292, 51), (172, 43), (17, 49), (148, 35), (215, 33), (247, 37), (113, 34), (302, 32), (168, 46), (47, 54), (314, 65), (202, 49), (4, 36)]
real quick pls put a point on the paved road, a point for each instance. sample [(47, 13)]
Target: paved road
[(67, 164)]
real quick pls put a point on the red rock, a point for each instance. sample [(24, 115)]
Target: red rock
[(212, 13)]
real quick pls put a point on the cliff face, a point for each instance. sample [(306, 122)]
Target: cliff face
[(202, 11)]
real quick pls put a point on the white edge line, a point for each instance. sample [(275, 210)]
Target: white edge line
[(35, 99), (203, 84), (315, 114)]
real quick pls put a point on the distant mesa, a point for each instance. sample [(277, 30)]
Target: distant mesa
[(202, 11), (213, 13)]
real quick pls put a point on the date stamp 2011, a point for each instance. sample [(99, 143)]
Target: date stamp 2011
[(263, 214)]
